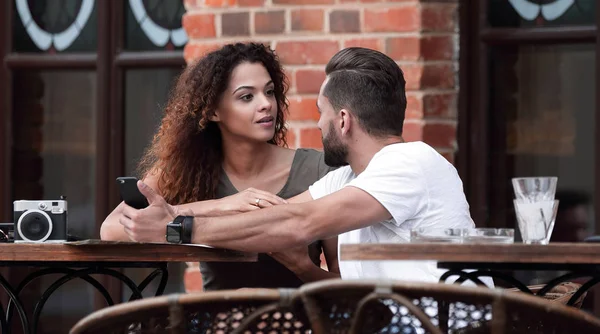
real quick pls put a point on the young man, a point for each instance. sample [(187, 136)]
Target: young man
[(385, 188)]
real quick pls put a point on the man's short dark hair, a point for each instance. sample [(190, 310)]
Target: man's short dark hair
[(372, 86)]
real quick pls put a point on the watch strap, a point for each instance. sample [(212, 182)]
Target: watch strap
[(187, 225)]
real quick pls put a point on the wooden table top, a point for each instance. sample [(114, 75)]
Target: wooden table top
[(110, 251), (559, 253)]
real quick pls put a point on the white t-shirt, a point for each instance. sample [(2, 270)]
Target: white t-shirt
[(419, 188)]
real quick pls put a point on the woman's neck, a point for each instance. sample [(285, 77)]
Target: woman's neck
[(246, 159)]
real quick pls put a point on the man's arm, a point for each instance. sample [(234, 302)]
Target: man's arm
[(280, 227), (298, 261)]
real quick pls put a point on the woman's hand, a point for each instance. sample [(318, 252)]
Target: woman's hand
[(249, 200)]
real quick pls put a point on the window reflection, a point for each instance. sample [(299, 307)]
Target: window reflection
[(542, 122), (54, 142), (54, 153)]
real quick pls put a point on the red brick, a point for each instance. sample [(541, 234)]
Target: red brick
[(412, 131), (399, 19), (309, 81), (194, 50), (403, 48), (190, 3), (199, 25), (437, 76), (250, 3), (303, 108), (439, 17), (440, 135), (341, 21), (449, 156), (307, 20), (311, 138), (235, 24), (370, 43), (303, 2), (289, 74), (412, 75), (269, 22), (443, 105), (218, 3), (437, 48), (414, 107), (306, 52), (192, 279), (290, 137)]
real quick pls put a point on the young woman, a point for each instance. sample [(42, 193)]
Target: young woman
[(221, 150)]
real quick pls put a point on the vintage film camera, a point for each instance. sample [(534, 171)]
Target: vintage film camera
[(40, 221)]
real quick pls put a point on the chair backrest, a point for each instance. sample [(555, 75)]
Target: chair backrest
[(248, 310), (561, 293), (337, 306), (354, 307)]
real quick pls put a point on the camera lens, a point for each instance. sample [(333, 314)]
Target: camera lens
[(34, 226)]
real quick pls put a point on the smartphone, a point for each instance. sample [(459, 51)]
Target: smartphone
[(130, 193)]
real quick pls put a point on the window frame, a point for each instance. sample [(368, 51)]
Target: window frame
[(110, 61)]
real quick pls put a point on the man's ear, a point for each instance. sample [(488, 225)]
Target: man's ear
[(345, 121)]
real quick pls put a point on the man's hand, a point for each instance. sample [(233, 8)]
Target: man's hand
[(296, 259), (148, 224)]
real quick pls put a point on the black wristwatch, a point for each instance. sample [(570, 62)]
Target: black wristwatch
[(179, 231)]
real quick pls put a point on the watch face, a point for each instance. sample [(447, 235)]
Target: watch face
[(173, 235)]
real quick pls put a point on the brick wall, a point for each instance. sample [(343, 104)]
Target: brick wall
[(421, 35)]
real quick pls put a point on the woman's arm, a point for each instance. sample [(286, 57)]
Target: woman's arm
[(247, 200), (111, 229), (330, 250)]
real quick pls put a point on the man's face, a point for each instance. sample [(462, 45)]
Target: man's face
[(336, 151), (572, 225)]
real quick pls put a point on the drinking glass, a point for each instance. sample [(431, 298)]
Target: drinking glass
[(534, 189), (536, 220)]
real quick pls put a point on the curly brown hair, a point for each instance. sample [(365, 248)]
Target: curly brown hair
[(186, 151)]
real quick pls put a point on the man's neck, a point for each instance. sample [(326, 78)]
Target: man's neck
[(360, 156)]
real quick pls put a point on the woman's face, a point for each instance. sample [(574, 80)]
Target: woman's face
[(248, 108)]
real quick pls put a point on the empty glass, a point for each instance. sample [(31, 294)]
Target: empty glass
[(490, 235), (534, 189), (463, 235), (453, 235), (536, 220)]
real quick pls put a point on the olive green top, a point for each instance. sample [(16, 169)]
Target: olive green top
[(307, 167)]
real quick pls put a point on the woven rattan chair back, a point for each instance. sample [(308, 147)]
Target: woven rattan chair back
[(218, 312), (340, 307), (336, 307)]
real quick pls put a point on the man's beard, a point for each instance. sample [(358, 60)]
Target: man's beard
[(336, 153)]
